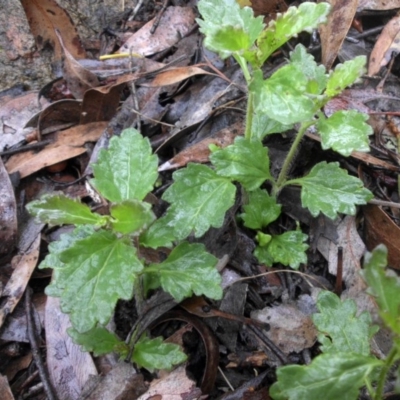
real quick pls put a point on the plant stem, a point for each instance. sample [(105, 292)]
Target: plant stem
[(289, 158), (249, 116), (384, 371)]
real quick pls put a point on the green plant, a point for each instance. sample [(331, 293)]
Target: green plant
[(293, 96), (346, 363), (98, 263)]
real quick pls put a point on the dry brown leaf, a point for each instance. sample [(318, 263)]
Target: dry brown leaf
[(387, 43), (5, 389), (268, 8), (175, 75), (8, 213), (200, 151), (78, 78), (379, 228), (67, 144), (378, 5), (291, 329), (99, 105), (44, 16), (175, 23), (174, 385), (58, 115), (14, 114), (15, 288), (335, 30), (69, 367)]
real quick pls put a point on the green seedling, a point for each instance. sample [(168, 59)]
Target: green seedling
[(346, 364), (97, 263)]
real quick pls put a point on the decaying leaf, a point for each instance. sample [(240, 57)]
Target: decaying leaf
[(69, 367), (291, 329), (386, 45), (377, 5), (380, 229), (44, 16), (8, 213), (15, 288), (334, 32), (67, 144), (175, 24), (200, 152), (79, 79)]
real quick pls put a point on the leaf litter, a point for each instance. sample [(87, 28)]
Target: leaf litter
[(184, 106)]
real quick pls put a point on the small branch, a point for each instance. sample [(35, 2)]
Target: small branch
[(48, 388)]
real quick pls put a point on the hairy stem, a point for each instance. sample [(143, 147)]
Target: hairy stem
[(289, 158), (391, 357), (249, 116)]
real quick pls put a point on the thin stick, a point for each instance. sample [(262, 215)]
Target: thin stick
[(339, 272), (47, 386), (158, 18)]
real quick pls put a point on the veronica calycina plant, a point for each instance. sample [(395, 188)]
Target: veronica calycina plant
[(98, 263), (291, 98)]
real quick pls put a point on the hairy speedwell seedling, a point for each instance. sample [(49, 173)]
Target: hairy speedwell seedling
[(98, 262)]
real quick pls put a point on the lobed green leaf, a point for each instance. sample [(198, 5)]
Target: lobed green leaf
[(384, 285), (97, 271), (283, 96), (345, 75), (342, 330), (131, 216), (244, 161), (295, 20), (200, 199), (227, 27), (263, 125), (58, 209), (52, 260), (330, 190), (330, 376), (127, 170), (99, 340), (314, 73), (345, 132), (287, 249), (155, 354), (261, 210), (188, 269)]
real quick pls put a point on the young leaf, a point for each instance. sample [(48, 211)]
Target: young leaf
[(344, 132), (262, 125), (52, 260), (384, 285), (283, 96), (345, 75), (329, 377), (200, 199), (98, 270), (99, 340), (244, 161), (131, 216), (261, 210), (161, 233), (127, 170), (188, 269), (233, 30), (341, 328), (155, 354), (330, 190), (315, 74), (287, 249), (60, 209), (295, 20)]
